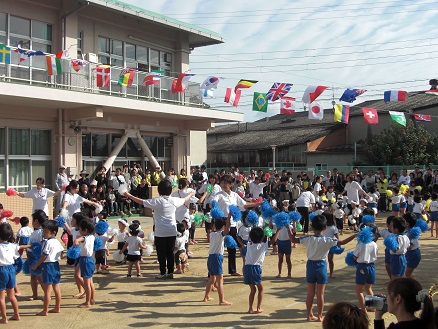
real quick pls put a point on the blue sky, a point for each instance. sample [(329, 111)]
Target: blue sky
[(372, 45)]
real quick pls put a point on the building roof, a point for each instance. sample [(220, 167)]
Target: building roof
[(415, 102), (261, 140), (198, 36)]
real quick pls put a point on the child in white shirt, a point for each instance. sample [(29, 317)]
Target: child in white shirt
[(434, 214), (23, 233), (133, 244), (180, 249)]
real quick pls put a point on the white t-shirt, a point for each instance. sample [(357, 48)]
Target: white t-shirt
[(39, 198), (384, 233), (255, 253), (215, 189), (433, 206), (403, 245), (339, 213), (53, 249), (306, 199), (316, 189), (283, 235), (330, 231), (122, 236), (243, 232), (87, 247), (418, 208), (164, 214), (396, 199), (256, 189), (8, 253), (134, 245), (183, 211), (74, 202), (25, 231), (104, 238), (352, 189), (216, 243), (180, 242), (317, 246), (36, 236), (224, 200), (366, 253)]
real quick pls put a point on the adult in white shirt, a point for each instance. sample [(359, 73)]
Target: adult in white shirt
[(39, 196), (225, 198), (317, 187), (61, 180), (305, 201), (118, 179), (404, 178), (165, 224), (256, 188), (353, 188)]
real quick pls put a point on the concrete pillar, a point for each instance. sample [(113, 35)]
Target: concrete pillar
[(148, 153)]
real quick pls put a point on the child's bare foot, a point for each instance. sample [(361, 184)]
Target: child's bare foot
[(320, 318), (42, 313), (17, 294), (332, 276), (207, 299), (79, 295), (177, 272), (278, 276), (250, 311), (311, 317), (84, 305), (289, 276), (259, 310), (224, 303), (15, 318), (55, 310), (92, 302), (31, 298), (4, 320), (213, 289)]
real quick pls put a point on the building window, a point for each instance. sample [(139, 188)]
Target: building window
[(29, 156), (80, 44)]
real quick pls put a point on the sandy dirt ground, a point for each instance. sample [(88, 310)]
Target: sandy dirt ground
[(123, 302)]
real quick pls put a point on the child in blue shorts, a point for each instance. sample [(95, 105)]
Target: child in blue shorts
[(86, 262), (8, 254), (384, 234), (216, 258), (433, 207), (398, 256), (255, 255), (52, 252), (366, 255), (317, 248), (413, 255), (284, 248)]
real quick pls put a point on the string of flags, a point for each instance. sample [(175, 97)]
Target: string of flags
[(278, 91)]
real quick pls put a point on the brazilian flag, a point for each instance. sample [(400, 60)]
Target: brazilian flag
[(260, 103)]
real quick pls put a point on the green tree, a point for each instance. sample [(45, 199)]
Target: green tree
[(398, 145)]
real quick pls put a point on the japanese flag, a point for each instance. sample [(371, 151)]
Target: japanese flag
[(316, 111)]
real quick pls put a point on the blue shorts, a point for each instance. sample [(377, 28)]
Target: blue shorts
[(252, 274), (87, 266), (413, 258), (51, 273), (316, 271), (404, 205), (372, 205), (284, 247), (387, 256), (418, 215), (23, 240), (398, 264), (214, 264), (31, 261), (396, 207), (7, 277), (243, 250), (434, 216), (365, 273)]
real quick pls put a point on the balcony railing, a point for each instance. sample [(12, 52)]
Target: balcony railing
[(33, 71)]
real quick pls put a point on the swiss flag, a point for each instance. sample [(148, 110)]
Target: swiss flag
[(370, 116), (287, 105)]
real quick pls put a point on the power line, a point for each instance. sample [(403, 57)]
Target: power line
[(312, 56), (294, 9), (322, 18)]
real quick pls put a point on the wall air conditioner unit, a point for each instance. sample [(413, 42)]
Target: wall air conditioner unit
[(92, 58)]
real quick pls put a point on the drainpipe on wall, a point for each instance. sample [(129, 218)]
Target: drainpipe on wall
[(64, 23)]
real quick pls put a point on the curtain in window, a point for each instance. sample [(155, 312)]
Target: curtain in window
[(19, 174), (19, 141), (41, 142)]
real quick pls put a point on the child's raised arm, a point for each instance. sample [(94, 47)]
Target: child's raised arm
[(292, 237), (345, 241)]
